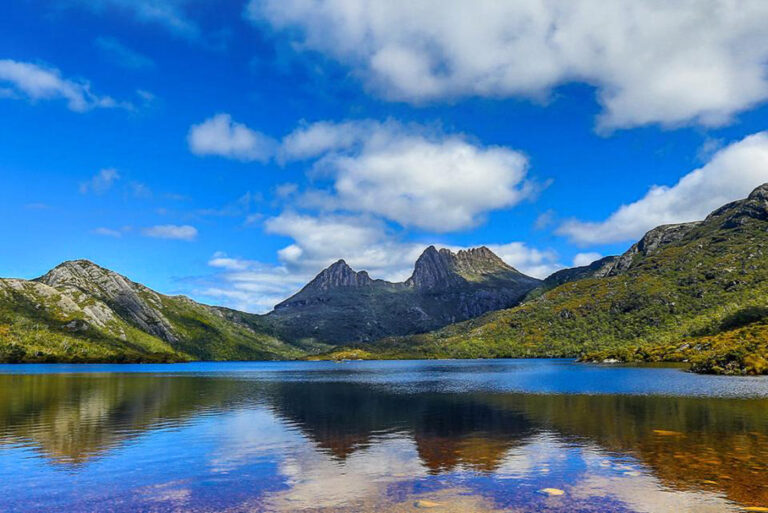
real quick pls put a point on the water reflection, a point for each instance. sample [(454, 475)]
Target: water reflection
[(141, 442)]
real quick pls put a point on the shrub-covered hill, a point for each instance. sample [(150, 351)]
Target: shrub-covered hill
[(678, 282), (80, 312)]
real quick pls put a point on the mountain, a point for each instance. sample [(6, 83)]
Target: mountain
[(341, 305), (596, 269), (82, 312), (687, 292), (692, 292)]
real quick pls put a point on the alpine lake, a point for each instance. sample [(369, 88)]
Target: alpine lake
[(389, 436)]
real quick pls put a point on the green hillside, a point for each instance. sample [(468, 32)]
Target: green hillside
[(80, 312), (680, 282)]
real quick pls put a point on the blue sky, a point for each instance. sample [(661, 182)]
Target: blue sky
[(231, 151)]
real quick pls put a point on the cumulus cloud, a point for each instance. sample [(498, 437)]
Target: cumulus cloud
[(101, 182), (531, 261), (171, 231), (731, 174), (222, 136), (667, 62), (316, 139), (33, 82), (364, 243), (410, 174), (370, 180)]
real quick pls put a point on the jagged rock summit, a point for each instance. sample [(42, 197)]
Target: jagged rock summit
[(437, 270), (341, 305), (339, 274)]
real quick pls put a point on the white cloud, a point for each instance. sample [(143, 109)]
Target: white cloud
[(34, 82), (530, 261), (656, 61), (108, 232), (413, 175), (249, 285), (410, 174), (731, 174), (363, 242), (121, 55), (222, 136), (285, 190), (313, 140), (582, 259), (171, 231), (101, 182)]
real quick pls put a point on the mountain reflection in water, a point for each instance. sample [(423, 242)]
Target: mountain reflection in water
[(161, 442)]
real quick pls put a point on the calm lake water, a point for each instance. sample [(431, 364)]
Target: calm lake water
[(479, 436)]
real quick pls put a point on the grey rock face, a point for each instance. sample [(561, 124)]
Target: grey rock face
[(47, 297), (133, 302), (341, 305), (440, 270), (434, 270), (650, 244), (339, 274), (735, 214)]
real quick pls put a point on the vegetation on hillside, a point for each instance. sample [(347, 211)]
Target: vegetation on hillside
[(740, 348), (68, 324), (686, 292), (693, 292)]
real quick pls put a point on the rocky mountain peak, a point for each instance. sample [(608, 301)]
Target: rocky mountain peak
[(480, 261), (134, 302), (759, 194), (339, 274), (434, 269), (442, 269), (84, 275), (737, 213)]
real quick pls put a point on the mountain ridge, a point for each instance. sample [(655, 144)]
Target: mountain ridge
[(342, 305), (692, 292), (82, 312)]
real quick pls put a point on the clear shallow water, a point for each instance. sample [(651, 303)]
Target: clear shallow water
[(380, 436)]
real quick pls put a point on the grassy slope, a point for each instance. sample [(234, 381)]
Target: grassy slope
[(687, 289), (35, 328)]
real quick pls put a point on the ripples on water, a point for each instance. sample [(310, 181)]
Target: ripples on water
[(380, 436)]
